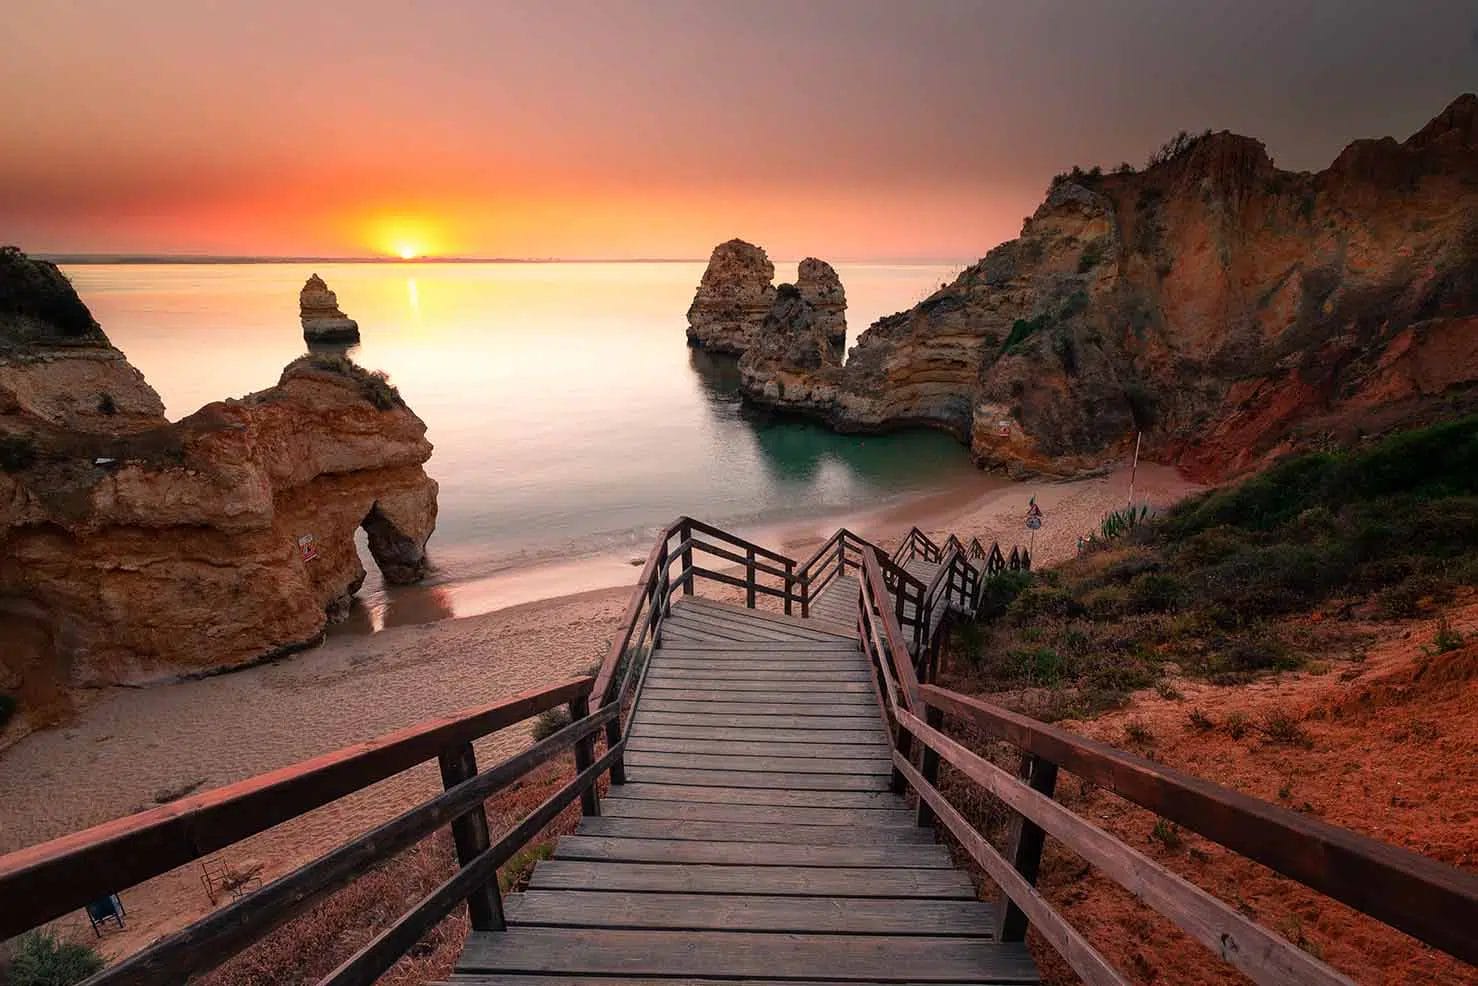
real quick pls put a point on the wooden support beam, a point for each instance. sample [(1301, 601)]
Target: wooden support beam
[(1027, 839)]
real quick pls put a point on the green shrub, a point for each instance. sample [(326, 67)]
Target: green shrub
[(1042, 601), (42, 959), (1022, 329), (1091, 256), (106, 404), (970, 642), (1154, 592), (7, 709), (1000, 591), (1040, 666), (17, 452), (549, 722)]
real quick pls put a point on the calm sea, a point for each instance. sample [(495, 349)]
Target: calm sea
[(570, 419)]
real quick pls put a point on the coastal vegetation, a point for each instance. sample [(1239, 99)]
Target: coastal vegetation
[(42, 959), (1208, 589)]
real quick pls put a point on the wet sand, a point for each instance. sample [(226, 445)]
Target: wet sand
[(128, 746)]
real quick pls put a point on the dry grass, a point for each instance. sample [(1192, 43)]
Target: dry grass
[(313, 944)]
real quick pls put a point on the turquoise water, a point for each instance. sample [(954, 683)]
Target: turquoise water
[(568, 415)]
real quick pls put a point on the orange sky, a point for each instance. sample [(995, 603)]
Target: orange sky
[(849, 130)]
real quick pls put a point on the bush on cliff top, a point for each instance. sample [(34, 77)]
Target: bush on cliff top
[(1390, 528), (374, 385)]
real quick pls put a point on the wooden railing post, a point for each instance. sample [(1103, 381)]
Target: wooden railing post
[(930, 766), (585, 755), (1025, 850), (470, 833), (686, 534), (749, 577), (613, 736), (790, 588), (661, 599)]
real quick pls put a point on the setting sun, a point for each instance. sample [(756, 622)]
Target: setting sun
[(408, 252)]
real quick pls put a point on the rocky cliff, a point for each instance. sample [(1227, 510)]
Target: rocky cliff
[(318, 310), (1230, 310), (733, 298), (133, 549), (804, 330)]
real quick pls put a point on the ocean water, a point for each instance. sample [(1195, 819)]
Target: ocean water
[(570, 419)]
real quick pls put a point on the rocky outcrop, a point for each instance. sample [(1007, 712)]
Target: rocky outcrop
[(133, 549), (804, 331), (733, 298), (821, 289), (323, 322), (1230, 310)]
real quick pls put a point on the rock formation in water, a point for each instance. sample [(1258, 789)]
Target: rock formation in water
[(133, 549), (804, 330), (1230, 310), (323, 322), (733, 298)]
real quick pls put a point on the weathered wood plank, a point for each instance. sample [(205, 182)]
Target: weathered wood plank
[(660, 670), (719, 853), (766, 707), (716, 954), (687, 714), (513, 979), (728, 831), (783, 649), (748, 764), (757, 814), (758, 796), (721, 912), (743, 748), (557, 874), (746, 778), (737, 734), (844, 693)]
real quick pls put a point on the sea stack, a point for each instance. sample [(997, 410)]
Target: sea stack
[(803, 334), (733, 298), (821, 289), (318, 307)]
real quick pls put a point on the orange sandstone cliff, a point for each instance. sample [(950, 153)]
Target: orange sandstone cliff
[(134, 549), (1230, 310)]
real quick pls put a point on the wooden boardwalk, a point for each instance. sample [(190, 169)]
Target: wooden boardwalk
[(837, 603), (756, 837)]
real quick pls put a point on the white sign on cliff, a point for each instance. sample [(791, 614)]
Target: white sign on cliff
[(307, 547)]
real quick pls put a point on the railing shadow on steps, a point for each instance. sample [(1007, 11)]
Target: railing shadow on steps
[(48, 880), (1434, 903)]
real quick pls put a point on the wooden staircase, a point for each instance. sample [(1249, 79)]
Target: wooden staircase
[(755, 837)]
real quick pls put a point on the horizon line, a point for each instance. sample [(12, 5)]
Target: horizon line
[(205, 258)]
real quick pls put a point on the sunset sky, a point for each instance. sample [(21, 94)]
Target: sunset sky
[(849, 129)]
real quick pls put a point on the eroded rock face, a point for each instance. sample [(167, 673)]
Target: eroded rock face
[(133, 549), (1232, 310), (804, 331), (323, 322), (733, 298)]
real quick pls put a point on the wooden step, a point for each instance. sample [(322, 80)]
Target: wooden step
[(643, 773), (558, 874), (837, 695), (757, 796), (875, 764), (865, 711), (759, 814), (720, 954), (737, 734), (723, 912), (642, 741), (680, 716), (733, 853), (802, 835)]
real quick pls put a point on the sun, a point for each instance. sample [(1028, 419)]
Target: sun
[(407, 251)]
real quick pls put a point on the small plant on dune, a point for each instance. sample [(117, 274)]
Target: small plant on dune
[(1200, 721), (515, 873), (970, 642), (1167, 834), (549, 722), (1237, 725), (1447, 639), (1167, 691), (1280, 727), (43, 959), (1135, 731)]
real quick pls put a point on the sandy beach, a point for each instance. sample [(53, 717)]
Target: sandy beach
[(127, 748)]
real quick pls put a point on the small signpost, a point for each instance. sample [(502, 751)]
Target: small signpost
[(1033, 522), (307, 547)]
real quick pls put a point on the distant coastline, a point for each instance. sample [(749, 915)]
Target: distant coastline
[(79, 259)]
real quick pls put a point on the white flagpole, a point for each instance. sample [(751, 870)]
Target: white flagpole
[(1134, 468)]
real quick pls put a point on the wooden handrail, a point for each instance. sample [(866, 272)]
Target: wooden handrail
[(220, 934), (875, 597), (1424, 898), (61, 875)]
